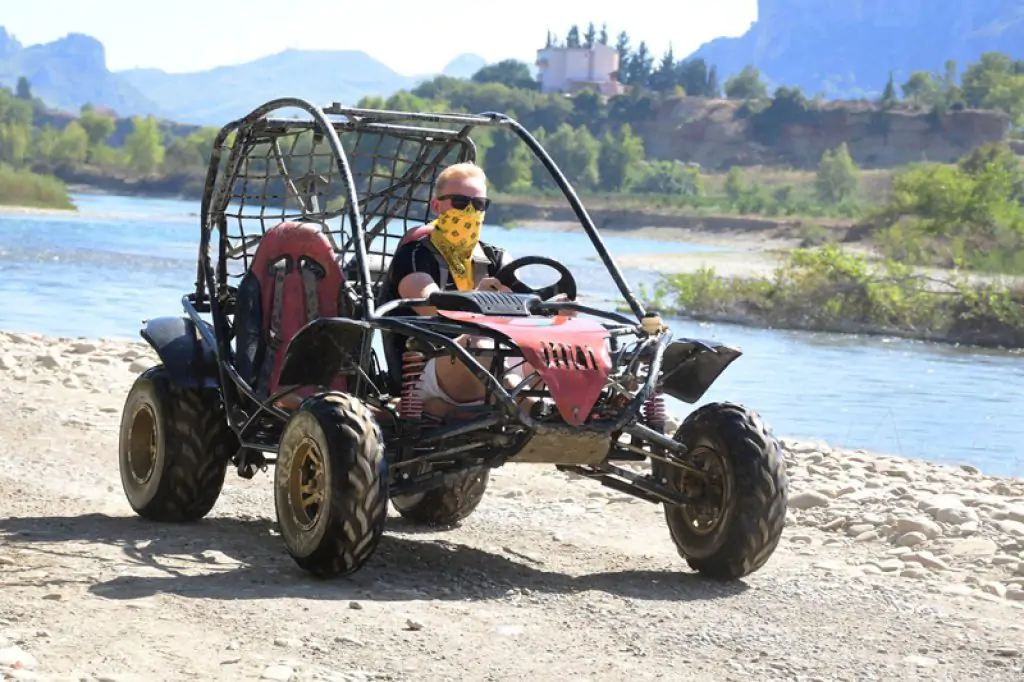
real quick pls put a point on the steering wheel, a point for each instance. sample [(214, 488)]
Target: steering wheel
[(566, 285)]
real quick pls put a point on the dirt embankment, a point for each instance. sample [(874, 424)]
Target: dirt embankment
[(717, 134), (915, 570)]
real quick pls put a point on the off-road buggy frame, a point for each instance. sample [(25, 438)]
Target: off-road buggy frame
[(299, 217)]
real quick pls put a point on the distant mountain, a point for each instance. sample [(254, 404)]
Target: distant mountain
[(846, 48), (71, 71), (68, 73), (224, 93), (464, 66)]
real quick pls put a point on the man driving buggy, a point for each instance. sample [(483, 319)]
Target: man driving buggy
[(453, 245)]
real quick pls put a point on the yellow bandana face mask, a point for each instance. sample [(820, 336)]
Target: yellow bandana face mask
[(456, 233)]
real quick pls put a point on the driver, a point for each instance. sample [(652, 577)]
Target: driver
[(450, 256)]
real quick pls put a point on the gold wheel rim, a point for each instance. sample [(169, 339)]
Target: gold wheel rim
[(712, 489), (306, 484), (142, 444)]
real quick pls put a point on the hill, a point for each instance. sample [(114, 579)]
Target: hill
[(69, 72), (846, 49)]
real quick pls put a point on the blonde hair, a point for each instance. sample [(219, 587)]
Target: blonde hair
[(458, 171)]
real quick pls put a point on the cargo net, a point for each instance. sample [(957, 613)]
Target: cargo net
[(288, 173)]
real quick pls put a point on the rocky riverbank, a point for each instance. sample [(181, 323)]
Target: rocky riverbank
[(914, 569)]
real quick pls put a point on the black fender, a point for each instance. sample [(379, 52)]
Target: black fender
[(690, 366), (323, 349), (189, 363)]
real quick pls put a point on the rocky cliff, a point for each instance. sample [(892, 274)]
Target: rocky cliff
[(718, 134), (69, 72), (846, 48)]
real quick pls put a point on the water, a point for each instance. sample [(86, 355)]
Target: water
[(100, 273)]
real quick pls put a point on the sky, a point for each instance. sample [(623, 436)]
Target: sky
[(410, 36)]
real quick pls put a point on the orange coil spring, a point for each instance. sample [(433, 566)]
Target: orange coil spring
[(412, 370), (654, 411)]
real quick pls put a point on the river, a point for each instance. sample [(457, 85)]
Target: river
[(98, 274)]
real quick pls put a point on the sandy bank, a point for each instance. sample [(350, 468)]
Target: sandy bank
[(912, 569)]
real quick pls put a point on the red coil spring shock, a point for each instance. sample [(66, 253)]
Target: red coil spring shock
[(412, 400), (654, 411)]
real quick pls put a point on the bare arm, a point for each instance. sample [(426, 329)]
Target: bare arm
[(418, 285)]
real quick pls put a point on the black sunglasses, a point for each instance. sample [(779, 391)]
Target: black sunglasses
[(461, 201)]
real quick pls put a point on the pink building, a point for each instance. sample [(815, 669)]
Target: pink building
[(570, 69)]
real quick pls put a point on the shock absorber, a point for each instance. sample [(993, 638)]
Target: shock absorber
[(654, 411), (412, 371)]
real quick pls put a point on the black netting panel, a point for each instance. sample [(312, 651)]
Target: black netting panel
[(287, 172)]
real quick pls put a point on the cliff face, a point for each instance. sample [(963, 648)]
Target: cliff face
[(715, 134), (846, 48)]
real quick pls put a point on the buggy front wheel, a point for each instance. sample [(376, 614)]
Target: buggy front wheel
[(330, 485), (738, 504)]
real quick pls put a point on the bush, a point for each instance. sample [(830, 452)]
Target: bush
[(828, 289), (24, 188)]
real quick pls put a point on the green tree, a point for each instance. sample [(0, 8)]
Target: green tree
[(98, 127), (671, 178), (664, 78), (838, 177), (144, 146), (640, 66), (746, 84), (15, 141), (922, 89), (23, 90), (572, 39), (603, 37), (735, 187), (590, 37), (508, 163), (71, 146), (509, 72), (889, 97), (576, 152), (618, 159)]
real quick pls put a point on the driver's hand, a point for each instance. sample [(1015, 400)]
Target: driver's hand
[(564, 313), (492, 284)]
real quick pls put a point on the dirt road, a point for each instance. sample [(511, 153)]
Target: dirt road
[(549, 579)]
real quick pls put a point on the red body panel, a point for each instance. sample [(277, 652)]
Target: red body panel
[(295, 241), (569, 354)]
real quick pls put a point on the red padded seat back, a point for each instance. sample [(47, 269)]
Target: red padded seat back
[(299, 281)]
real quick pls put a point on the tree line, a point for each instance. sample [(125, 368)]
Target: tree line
[(595, 140)]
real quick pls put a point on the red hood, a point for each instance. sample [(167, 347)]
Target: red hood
[(570, 354)]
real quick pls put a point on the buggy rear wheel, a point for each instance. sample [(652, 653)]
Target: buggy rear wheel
[(738, 512), (447, 504), (174, 448), (330, 485)]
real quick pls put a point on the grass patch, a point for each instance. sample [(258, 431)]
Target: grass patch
[(21, 187)]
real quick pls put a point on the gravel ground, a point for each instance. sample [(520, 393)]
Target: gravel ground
[(888, 570)]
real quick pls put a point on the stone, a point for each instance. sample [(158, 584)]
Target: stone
[(16, 657), (277, 673), (927, 527), (973, 548), (808, 500), (957, 590), (1014, 528), (926, 559), (996, 588), (911, 539), (920, 661)]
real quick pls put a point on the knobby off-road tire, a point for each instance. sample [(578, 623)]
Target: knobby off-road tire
[(752, 510), (174, 448), (330, 485), (448, 504)]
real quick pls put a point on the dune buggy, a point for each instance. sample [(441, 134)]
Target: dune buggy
[(275, 362)]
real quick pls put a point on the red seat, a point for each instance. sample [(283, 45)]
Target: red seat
[(415, 233), (299, 280)]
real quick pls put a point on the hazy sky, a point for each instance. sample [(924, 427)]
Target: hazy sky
[(410, 37)]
